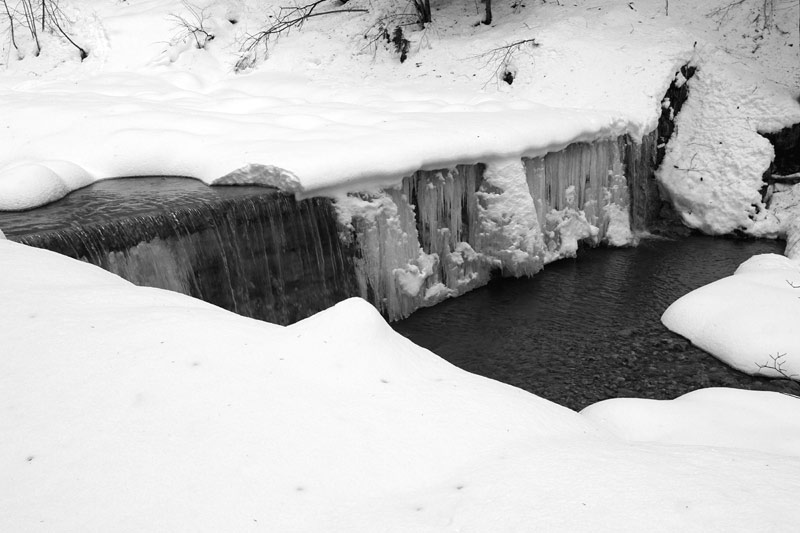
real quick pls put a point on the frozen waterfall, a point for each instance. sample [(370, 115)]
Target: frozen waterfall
[(443, 232), (438, 234)]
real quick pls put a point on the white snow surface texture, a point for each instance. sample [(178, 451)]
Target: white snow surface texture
[(749, 319), (331, 107), (137, 409)]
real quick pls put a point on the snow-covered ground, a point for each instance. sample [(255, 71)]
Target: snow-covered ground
[(333, 107), (137, 409)]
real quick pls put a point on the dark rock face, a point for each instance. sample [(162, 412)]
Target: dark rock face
[(673, 101), (648, 210), (787, 151)]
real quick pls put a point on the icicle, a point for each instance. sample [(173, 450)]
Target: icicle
[(447, 218), (581, 195), (391, 268)]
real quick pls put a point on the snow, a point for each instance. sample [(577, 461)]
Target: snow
[(723, 418), (749, 319), (713, 167), (145, 102), (129, 409), (331, 108), (143, 409)]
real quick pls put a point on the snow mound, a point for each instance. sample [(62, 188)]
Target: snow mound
[(25, 186), (731, 418), (749, 319), (264, 175)]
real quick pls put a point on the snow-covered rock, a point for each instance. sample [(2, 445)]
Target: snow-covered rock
[(749, 319)]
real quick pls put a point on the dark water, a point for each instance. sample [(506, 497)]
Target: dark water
[(112, 200), (589, 329)]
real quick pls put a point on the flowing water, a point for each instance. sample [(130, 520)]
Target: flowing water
[(251, 250), (589, 329)]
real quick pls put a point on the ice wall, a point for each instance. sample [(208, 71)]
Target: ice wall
[(444, 232)]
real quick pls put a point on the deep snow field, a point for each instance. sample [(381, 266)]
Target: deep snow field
[(130, 409)]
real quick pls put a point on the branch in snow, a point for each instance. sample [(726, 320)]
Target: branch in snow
[(35, 21), (502, 57), (776, 365), (195, 25), (286, 19), (55, 18)]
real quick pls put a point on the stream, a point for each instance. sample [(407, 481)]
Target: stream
[(589, 329)]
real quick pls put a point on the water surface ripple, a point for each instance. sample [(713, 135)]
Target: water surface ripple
[(588, 329)]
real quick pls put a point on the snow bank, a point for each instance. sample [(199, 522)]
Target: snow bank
[(129, 409), (240, 128), (749, 319), (728, 418), (24, 186), (323, 112)]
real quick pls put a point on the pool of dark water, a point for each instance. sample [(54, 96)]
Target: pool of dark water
[(588, 329)]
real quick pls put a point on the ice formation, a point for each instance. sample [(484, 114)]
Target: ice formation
[(442, 233), (784, 205), (439, 234)]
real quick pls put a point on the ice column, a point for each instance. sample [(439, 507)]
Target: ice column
[(417, 244), (391, 268), (448, 226), (581, 194), (510, 229), (442, 233)]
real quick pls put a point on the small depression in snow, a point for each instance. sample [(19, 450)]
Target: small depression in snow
[(589, 329)]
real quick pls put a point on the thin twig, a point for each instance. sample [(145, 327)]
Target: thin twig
[(11, 25), (286, 19)]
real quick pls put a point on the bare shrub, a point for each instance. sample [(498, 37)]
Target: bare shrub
[(194, 25), (33, 17), (286, 19)]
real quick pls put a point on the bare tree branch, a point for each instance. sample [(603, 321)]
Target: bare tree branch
[(286, 19)]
